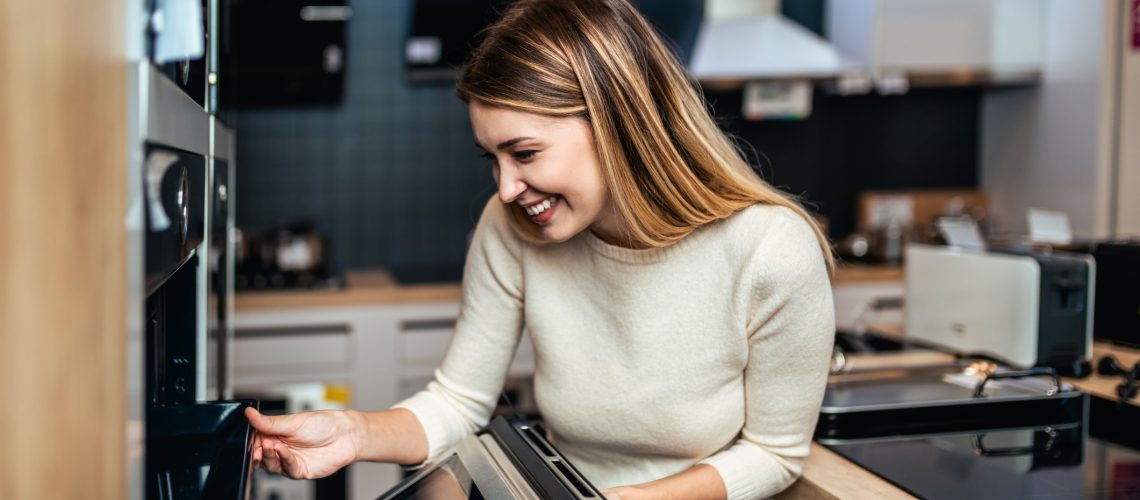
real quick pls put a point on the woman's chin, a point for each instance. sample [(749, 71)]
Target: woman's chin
[(557, 234)]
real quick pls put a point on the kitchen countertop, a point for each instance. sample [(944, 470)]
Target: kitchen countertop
[(377, 286), (364, 287)]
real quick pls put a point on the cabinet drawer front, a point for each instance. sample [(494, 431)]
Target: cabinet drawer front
[(323, 345), (424, 342)]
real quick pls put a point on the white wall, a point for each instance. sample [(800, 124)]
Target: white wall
[(1048, 146)]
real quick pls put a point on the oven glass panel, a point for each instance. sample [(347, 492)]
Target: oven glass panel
[(450, 481)]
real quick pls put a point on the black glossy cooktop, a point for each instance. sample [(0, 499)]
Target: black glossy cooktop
[(1066, 461)]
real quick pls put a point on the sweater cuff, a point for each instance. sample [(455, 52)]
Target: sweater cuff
[(748, 472), (429, 411)]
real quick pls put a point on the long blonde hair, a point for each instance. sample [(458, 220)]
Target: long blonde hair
[(668, 167)]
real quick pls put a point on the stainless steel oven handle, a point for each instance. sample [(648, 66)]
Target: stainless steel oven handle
[(182, 206)]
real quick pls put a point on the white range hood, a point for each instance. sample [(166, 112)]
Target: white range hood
[(743, 40)]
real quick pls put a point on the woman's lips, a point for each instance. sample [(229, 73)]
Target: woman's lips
[(546, 214)]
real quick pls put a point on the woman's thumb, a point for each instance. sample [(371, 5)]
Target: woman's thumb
[(266, 424)]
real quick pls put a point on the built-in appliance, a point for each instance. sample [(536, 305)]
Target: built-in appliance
[(282, 52), (510, 458), (1022, 307), (193, 449), (177, 37)]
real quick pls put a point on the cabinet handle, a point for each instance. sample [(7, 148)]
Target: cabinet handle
[(427, 324), (289, 331)]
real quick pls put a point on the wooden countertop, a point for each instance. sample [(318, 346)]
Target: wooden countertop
[(376, 286), (364, 287), (848, 273), (827, 476)]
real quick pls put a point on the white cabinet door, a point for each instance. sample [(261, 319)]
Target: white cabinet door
[(384, 352), (854, 304), (939, 35), (351, 346)]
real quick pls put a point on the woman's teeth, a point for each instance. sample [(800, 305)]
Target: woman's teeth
[(541, 207)]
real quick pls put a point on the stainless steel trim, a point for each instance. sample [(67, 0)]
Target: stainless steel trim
[(485, 470), (507, 471), (222, 139), (134, 351), (172, 117)]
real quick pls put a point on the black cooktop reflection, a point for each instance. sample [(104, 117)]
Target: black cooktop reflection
[(1040, 462)]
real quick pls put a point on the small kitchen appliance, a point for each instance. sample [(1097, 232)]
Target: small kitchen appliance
[(1022, 307)]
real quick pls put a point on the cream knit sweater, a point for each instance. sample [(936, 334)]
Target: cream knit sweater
[(714, 350)]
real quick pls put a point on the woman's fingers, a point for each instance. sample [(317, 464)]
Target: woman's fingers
[(270, 461), (256, 452), (290, 465)]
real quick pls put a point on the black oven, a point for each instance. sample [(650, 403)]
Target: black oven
[(171, 26), (194, 449)]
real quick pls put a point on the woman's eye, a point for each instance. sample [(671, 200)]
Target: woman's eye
[(487, 156), (524, 155)]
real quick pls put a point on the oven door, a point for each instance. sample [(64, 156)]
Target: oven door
[(507, 459), (194, 449)]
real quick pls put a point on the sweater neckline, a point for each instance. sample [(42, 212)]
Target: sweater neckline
[(640, 255)]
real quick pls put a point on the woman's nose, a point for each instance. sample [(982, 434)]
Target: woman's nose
[(511, 186)]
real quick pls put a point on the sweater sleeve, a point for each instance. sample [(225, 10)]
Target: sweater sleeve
[(791, 330), (466, 386)]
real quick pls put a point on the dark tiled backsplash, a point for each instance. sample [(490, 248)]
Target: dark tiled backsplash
[(392, 178), (390, 175)]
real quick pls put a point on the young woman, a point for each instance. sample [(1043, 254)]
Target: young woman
[(679, 306)]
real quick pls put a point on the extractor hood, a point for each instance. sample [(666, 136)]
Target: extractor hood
[(744, 40)]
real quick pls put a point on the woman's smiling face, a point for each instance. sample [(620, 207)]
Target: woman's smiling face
[(548, 166)]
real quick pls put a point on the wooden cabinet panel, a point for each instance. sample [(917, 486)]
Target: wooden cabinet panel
[(63, 278)]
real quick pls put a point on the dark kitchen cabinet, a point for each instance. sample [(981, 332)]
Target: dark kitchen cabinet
[(282, 52)]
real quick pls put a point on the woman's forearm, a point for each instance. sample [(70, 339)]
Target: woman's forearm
[(393, 436), (699, 482)]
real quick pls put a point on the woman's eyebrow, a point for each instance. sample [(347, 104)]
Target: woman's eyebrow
[(512, 142), (505, 144)]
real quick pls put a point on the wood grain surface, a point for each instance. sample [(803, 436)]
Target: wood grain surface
[(63, 141)]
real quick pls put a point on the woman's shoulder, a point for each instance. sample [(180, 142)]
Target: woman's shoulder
[(764, 223), (774, 238)]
